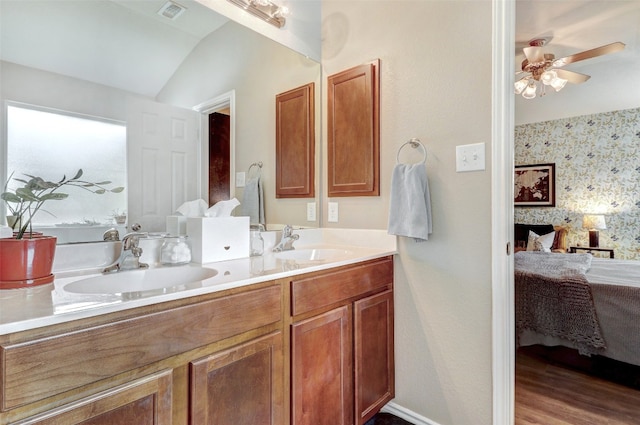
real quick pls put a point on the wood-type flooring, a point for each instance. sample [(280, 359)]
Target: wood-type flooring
[(549, 392)]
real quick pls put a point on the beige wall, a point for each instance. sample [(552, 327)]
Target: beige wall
[(435, 85)]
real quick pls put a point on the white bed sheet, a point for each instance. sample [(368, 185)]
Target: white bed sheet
[(605, 271)]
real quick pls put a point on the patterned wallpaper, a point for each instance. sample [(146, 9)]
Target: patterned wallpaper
[(597, 161)]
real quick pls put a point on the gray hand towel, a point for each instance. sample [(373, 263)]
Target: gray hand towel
[(410, 205), (253, 201)]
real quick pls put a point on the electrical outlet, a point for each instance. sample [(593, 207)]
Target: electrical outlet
[(470, 157), (311, 211), (240, 179), (333, 212)]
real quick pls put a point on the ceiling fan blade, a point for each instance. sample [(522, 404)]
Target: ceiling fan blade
[(572, 76), (533, 54), (588, 54)]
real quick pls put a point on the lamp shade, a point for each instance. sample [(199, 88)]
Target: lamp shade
[(593, 222)]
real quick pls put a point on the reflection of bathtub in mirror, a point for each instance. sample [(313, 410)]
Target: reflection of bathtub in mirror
[(48, 81)]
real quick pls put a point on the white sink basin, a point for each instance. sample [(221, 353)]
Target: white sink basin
[(313, 254), (140, 280)]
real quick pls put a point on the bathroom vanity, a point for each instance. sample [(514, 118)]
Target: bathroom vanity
[(306, 343)]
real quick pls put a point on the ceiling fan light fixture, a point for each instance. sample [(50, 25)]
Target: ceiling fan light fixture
[(558, 83), (520, 85), (548, 77), (530, 91)]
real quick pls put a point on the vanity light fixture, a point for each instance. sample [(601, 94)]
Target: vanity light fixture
[(593, 222), (265, 10)]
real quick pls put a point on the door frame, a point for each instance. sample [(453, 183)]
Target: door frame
[(502, 128), (223, 101)]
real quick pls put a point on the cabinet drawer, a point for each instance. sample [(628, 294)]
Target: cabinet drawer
[(319, 290), (143, 401), (44, 367)]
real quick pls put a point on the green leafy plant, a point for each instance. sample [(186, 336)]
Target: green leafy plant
[(25, 201)]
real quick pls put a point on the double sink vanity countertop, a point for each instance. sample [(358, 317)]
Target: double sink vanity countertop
[(30, 308)]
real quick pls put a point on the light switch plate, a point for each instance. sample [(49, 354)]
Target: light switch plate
[(311, 211), (332, 216), (470, 157), (240, 179)]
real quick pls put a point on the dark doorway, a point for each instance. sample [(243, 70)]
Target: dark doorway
[(219, 163)]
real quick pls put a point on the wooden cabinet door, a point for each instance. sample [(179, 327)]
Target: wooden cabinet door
[(295, 143), (374, 361), (353, 139), (321, 361), (145, 401), (240, 386)]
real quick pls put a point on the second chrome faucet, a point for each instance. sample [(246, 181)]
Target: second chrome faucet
[(287, 240)]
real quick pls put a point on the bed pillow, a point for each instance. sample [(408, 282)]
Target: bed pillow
[(560, 241), (540, 243)]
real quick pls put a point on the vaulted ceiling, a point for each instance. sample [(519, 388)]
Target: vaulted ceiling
[(118, 43)]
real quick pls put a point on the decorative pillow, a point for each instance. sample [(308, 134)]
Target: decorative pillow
[(540, 243), (560, 241)]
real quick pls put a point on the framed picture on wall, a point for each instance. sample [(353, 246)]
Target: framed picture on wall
[(535, 185)]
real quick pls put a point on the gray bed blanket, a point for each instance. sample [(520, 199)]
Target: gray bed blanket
[(553, 297)]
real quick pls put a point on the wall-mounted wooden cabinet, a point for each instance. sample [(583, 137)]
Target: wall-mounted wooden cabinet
[(295, 143), (354, 131)]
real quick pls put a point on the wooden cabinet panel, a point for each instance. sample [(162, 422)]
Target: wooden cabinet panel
[(241, 386), (47, 366), (354, 131), (146, 401), (373, 354), (322, 380), (317, 290), (295, 143)]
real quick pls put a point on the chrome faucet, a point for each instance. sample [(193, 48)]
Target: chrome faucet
[(130, 254), (288, 238)]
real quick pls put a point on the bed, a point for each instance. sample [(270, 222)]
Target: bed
[(578, 301)]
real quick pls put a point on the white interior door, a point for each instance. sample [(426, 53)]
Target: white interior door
[(163, 146)]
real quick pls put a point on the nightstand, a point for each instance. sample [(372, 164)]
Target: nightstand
[(590, 249)]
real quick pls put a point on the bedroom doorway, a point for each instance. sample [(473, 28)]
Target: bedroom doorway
[(566, 374)]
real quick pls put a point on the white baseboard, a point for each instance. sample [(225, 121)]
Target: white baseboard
[(407, 414)]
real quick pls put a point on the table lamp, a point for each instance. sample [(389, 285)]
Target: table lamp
[(593, 222)]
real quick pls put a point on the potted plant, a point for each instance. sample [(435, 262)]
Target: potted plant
[(26, 258)]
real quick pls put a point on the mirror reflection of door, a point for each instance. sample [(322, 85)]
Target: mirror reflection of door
[(219, 154)]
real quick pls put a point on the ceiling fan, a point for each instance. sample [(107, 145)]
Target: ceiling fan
[(543, 69)]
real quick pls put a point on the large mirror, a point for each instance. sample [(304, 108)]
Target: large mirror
[(123, 61)]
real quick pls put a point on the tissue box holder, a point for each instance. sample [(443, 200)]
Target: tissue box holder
[(218, 238)]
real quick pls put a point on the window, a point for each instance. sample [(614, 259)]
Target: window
[(51, 143)]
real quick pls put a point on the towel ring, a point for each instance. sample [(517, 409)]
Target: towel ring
[(414, 143), (255, 164)]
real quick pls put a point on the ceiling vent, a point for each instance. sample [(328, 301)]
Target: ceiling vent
[(171, 10)]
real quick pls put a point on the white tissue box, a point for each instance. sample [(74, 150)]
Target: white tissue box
[(177, 225), (218, 238)]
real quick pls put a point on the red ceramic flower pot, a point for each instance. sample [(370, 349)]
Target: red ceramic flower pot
[(26, 262)]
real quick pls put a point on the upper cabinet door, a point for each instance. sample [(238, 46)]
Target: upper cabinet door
[(295, 143), (354, 131)]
